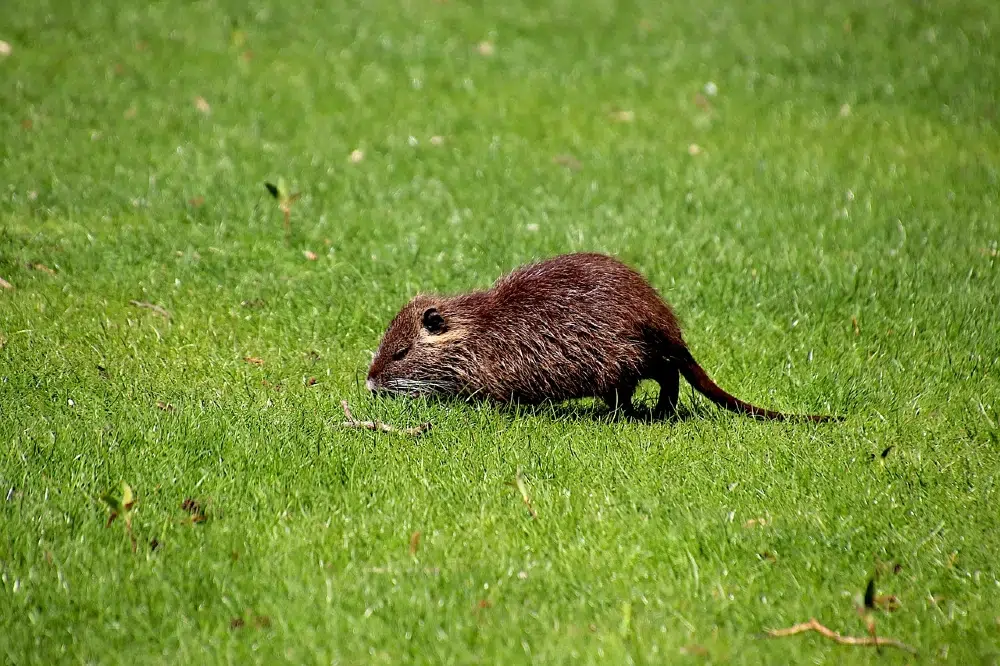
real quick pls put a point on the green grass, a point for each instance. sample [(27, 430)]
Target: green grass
[(798, 214)]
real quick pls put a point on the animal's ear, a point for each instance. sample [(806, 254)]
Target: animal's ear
[(434, 322)]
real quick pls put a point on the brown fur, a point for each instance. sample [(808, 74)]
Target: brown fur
[(575, 326)]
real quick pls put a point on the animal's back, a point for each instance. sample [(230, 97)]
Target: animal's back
[(591, 289), (572, 326)]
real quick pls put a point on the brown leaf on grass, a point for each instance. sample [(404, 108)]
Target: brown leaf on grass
[(165, 406), (257, 621), (482, 605), (141, 45), (5, 285), (702, 102), (414, 543), (196, 202), (246, 56), (195, 509), (311, 381), (151, 306), (253, 360), (568, 161), (130, 112), (27, 123), (154, 544), (309, 254), (769, 556), (695, 650), (855, 325), (888, 602), (202, 105), (267, 384), (814, 625), (41, 267), (253, 303)]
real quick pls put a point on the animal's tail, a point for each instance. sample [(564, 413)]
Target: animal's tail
[(699, 379)]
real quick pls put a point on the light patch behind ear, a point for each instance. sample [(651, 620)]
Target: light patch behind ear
[(451, 335)]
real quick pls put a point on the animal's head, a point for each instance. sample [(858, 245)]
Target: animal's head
[(420, 351)]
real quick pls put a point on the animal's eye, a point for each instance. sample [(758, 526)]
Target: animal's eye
[(398, 356), (434, 323)]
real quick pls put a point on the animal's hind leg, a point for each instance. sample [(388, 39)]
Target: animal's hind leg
[(669, 379)]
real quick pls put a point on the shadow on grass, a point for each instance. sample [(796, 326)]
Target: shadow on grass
[(584, 409), (596, 411), (570, 410)]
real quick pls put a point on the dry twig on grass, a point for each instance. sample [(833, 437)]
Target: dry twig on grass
[(814, 625), (158, 309), (352, 422)]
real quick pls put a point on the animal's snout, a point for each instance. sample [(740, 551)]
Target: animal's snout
[(381, 387)]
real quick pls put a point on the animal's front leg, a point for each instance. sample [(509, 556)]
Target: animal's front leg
[(621, 398)]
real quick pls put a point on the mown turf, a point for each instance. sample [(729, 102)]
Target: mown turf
[(830, 242)]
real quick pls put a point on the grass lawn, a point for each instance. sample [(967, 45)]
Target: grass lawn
[(814, 187)]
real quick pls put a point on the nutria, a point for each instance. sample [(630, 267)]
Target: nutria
[(575, 326)]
